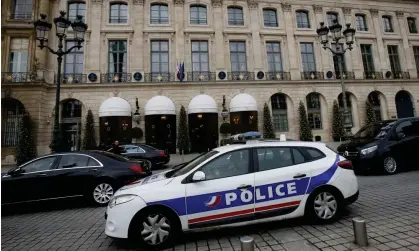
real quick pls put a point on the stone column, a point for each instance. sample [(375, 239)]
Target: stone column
[(41, 55), (94, 47), (219, 38), (256, 43), (179, 29), (292, 53), (326, 56), (353, 62), (383, 67), (137, 47), (408, 53)]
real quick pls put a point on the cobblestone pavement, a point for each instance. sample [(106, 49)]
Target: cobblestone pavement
[(389, 203)]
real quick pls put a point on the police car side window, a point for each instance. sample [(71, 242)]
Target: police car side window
[(227, 165), (274, 157), (315, 154)]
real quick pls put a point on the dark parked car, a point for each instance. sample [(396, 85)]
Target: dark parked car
[(386, 146), (95, 175), (145, 152)]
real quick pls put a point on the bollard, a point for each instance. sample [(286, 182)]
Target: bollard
[(360, 232), (247, 243)]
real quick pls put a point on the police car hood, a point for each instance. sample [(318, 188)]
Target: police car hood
[(148, 183)]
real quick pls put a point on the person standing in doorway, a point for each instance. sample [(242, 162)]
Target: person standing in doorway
[(116, 148)]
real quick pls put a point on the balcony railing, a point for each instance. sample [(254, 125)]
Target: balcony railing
[(21, 16), (121, 77), (69, 78), (373, 75), (17, 77), (278, 75), (201, 76), (346, 75), (312, 75), (240, 76), (159, 77), (400, 75)]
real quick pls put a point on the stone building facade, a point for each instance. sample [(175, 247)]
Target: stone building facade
[(247, 51)]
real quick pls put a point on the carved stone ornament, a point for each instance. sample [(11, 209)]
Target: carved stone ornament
[(347, 11), (70, 94), (201, 90), (179, 2), (286, 6), (7, 92), (399, 14), (313, 88), (115, 93), (241, 90), (141, 2), (279, 89), (97, 1), (374, 12), (318, 9), (160, 92), (252, 4), (216, 3)]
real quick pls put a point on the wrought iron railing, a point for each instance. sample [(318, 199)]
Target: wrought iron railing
[(201, 76), (278, 75), (16, 77), (21, 16), (312, 75), (400, 75), (159, 77), (346, 75), (240, 76), (120, 77), (74, 78), (373, 75)]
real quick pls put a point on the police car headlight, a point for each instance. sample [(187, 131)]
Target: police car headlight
[(121, 199), (368, 150)]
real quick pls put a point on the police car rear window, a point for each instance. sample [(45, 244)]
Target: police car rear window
[(313, 154)]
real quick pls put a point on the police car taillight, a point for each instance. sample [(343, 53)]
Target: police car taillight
[(345, 164)]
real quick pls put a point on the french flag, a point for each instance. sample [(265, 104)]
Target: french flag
[(181, 71)]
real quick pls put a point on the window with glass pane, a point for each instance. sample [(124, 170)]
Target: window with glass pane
[(388, 24), (336, 61), (307, 57), (198, 14), (21, 9), (18, 57), (200, 56), (117, 56), (160, 57), (393, 55), (238, 56), (75, 9), (118, 13), (270, 18), (235, 16), (416, 55), (349, 107), (159, 14), (314, 111), (361, 22), (302, 19), (73, 61), (273, 50), (332, 17), (411, 22), (279, 112), (367, 59)]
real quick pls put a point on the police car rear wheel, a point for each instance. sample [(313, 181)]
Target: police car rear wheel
[(325, 205)]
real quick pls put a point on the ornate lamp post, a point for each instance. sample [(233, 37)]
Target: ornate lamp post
[(224, 112), (61, 24), (348, 33)]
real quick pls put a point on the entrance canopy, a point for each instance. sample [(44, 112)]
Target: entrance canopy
[(243, 102), (202, 104), (115, 106), (159, 105)]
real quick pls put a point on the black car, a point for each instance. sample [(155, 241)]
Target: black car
[(95, 175), (387, 146), (145, 152)]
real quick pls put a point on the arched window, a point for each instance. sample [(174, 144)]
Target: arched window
[(361, 22), (71, 109), (159, 14), (198, 14), (75, 9), (332, 17), (235, 16), (374, 99), (11, 114), (118, 13), (279, 112), (270, 18), (348, 105), (303, 20), (314, 110)]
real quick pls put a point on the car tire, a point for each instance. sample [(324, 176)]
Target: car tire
[(102, 193), (154, 228), (324, 205), (390, 165), (148, 165)]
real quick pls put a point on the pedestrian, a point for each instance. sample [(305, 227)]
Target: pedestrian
[(116, 148)]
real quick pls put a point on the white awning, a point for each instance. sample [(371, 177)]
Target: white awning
[(115, 106), (202, 104), (243, 102), (159, 105)]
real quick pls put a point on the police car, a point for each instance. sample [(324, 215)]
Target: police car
[(236, 184)]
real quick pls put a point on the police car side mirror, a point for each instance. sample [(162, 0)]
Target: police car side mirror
[(198, 176)]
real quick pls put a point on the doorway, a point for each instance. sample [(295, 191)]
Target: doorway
[(203, 131), (160, 132), (404, 105)]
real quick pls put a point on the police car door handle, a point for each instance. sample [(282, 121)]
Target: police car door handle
[(244, 186), (299, 175)]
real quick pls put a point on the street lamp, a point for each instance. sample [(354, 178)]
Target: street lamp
[(348, 33), (42, 28)]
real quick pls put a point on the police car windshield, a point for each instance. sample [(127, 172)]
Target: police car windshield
[(191, 165)]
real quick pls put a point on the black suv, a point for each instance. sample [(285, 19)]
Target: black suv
[(387, 146)]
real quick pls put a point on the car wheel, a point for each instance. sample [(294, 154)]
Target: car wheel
[(147, 165), (102, 193), (154, 229), (323, 206), (390, 165)]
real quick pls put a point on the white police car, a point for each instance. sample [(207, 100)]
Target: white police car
[(234, 184)]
